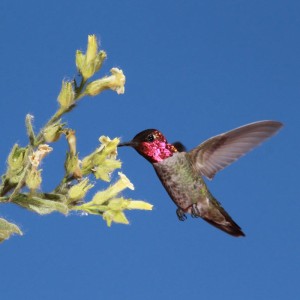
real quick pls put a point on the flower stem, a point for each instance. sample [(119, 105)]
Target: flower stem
[(39, 139)]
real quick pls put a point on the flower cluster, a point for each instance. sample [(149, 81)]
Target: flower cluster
[(21, 184), (110, 205)]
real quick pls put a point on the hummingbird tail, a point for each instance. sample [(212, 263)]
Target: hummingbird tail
[(221, 219), (232, 228)]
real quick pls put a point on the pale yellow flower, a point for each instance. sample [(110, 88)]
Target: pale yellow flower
[(116, 82)]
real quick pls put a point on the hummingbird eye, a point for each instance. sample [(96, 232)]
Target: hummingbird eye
[(150, 138)]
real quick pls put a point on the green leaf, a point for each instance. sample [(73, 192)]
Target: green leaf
[(39, 205), (7, 229)]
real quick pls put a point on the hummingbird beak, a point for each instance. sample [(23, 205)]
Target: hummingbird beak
[(130, 144)]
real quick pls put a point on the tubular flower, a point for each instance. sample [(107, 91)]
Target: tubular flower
[(116, 82)]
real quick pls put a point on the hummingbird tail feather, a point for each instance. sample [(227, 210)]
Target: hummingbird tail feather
[(221, 219), (231, 228)]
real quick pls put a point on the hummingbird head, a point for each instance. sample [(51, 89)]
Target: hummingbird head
[(152, 145)]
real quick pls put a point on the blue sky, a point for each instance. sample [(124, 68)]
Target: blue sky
[(194, 69)]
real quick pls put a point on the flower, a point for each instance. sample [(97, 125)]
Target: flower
[(111, 207), (102, 162), (88, 64), (116, 82), (71, 139), (114, 216), (113, 190), (37, 156)]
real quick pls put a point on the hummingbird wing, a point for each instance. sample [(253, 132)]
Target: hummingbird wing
[(220, 151), (179, 146)]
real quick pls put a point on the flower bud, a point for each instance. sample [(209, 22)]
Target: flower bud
[(33, 179), (139, 205), (16, 160), (67, 95), (92, 49), (80, 60), (79, 190), (121, 204), (72, 165), (91, 62), (53, 132), (101, 56)]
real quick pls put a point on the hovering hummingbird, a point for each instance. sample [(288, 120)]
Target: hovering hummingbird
[(181, 172)]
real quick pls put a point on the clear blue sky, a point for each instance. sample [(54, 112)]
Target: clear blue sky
[(194, 69)]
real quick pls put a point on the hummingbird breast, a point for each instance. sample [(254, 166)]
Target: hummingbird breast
[(183, 184)]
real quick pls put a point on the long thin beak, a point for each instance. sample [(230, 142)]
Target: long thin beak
[(125, 144)]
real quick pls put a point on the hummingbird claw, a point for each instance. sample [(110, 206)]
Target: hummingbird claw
[(180, 214), (195, 213)]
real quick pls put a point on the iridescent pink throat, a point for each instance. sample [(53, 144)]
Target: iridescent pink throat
[(157, 150)]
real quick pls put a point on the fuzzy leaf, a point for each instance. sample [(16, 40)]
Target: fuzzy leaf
[(7, 229), (39, 205)]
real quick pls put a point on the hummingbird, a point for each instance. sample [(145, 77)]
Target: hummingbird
[(181, 172)]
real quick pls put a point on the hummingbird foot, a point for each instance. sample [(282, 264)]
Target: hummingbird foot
[(180, 214), (195, 213)]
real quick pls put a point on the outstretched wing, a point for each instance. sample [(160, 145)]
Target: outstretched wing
[(220, 151)]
